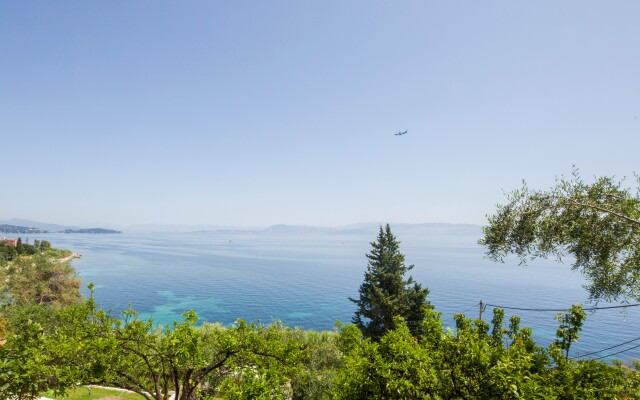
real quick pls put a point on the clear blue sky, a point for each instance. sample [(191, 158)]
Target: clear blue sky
[(253, 113)]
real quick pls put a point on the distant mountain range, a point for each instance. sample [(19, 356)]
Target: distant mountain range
[(24, 226), (368, 228), (372, 227)]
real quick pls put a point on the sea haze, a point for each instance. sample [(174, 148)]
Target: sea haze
[(304, 277)]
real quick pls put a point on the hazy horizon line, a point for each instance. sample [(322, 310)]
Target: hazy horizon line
[(210, 226)]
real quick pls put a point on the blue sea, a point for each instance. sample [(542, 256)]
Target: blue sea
[(304, 278)]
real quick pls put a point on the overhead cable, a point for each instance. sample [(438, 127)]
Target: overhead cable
[(613, 354), (562, 310), (608, 348)]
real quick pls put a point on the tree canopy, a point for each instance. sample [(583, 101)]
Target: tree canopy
[(598, 224), (54, 348), (476, 361), (385, 294), (39, 279)]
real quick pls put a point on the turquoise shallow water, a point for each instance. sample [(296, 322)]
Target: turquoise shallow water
[(305, 279)]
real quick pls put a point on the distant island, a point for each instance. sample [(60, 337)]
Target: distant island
[(7, 228), (90, 230)]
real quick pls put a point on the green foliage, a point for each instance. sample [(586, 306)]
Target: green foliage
[(476, 361), (53, 348), (598, 224), (190, 361), (25, 248), (21, 367), (47, 348), (320, 362), (396, 367), (570, 327), (7, 253), (90, 393), (41, 245), (39, 279), (385, 294), (266, 359), (630, 375), (56, 253)]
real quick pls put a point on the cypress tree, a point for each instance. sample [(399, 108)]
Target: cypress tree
[(385, 294)]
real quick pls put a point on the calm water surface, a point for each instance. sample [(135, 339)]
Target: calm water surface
[(305, 279)]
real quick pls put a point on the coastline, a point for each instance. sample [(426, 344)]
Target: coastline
[(73, 256)]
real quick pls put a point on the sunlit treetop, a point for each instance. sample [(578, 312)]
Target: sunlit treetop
[(598, 224)]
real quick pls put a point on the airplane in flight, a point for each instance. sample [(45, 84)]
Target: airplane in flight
[(400, 133)]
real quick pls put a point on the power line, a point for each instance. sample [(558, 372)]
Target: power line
[(608, 348), (613, 354), (561, 310), (585, 309), (468, 310)]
